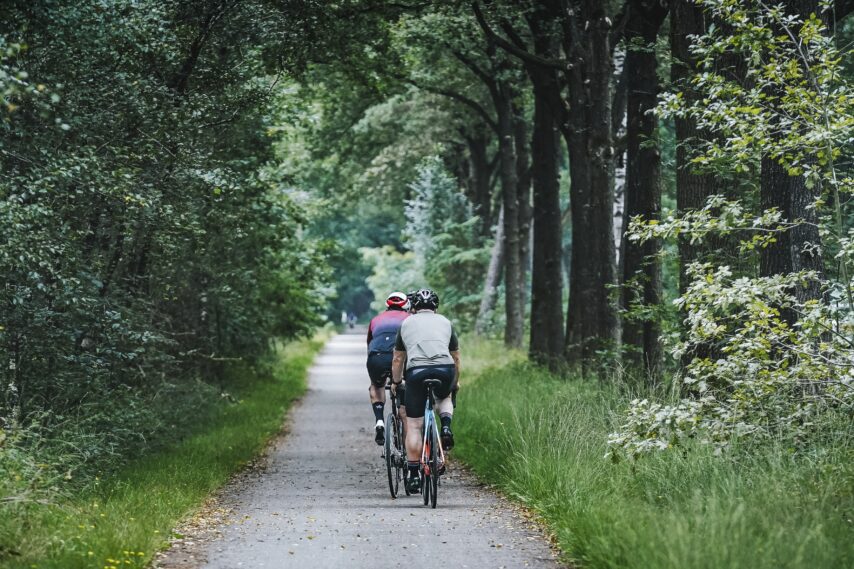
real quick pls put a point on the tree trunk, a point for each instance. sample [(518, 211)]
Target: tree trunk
[(593, 321), (493, 279), (799, 248), (618, 133), (480, 172), (514, 326), (523, 197), (692, 190), (641, 265), (546, 280)]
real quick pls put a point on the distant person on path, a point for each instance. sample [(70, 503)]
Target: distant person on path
[(351, 319), (429, 347), (382, 333)]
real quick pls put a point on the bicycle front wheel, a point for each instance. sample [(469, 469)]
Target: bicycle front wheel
[(390, 450), (399, 443)]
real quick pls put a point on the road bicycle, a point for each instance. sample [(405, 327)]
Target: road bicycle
[(395, 446), (432, 453)]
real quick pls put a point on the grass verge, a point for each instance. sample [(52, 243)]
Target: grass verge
[(541, 439), (122, 520)]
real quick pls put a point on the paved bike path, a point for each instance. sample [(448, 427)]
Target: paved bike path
[(323, 500)]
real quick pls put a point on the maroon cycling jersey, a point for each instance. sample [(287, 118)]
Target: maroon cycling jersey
[(382, 331)]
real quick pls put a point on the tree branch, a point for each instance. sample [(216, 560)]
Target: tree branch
[(618, 32), (460, 98), (383, 7), (512, 48), (485, 77), (513, 35)]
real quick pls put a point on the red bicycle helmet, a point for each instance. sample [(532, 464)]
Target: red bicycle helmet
[(397, 300)]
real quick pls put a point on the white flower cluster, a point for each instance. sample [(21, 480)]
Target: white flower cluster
[(755, 368), (765, 354)]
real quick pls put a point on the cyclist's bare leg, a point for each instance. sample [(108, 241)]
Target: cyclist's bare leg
[(378, 405), (446, 413), (445, 407), (413, 438), (377, 394)]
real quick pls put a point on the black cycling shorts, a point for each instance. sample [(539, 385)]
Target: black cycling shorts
[(379, 364), (416, 393)]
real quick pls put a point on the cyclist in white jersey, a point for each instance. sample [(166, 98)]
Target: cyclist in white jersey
[(429, 347)]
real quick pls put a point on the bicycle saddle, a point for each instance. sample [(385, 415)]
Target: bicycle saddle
[(432, 383)]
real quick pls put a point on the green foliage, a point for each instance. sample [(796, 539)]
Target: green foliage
[(130, 515), (443, 246), (764, 359), (445, 236), (540, 438), (392, 271), (143, 250)]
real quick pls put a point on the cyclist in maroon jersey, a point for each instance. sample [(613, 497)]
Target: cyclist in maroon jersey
[(382, 333)]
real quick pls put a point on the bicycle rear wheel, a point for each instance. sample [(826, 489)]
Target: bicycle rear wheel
[(425, 470), (391, 468), (425, 488), (434, 475)]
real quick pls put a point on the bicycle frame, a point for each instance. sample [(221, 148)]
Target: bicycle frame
[(430, 425), (394, 455)]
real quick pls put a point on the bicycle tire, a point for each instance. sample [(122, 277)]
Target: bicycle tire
[(391, 467), (425, 485), (425, 488), (434, 475), (403, 468), (400, 445)]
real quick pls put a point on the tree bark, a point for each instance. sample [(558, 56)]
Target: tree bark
[(799, 248), (547, 332), (514, 325), (493, 278), (692, 189), (593, 321), (641, 265), (523, 197), (480, 172)]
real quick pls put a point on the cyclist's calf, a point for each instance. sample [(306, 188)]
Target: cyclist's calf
[(445, 407)]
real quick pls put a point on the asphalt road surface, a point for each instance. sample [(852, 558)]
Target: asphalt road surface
[(323, 500)]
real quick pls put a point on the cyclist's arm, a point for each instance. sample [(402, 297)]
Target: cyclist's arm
[(454, 349), (370, 332), (398, 359), (397, 366)]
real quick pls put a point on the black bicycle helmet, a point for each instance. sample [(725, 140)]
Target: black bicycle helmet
[(425, 299)]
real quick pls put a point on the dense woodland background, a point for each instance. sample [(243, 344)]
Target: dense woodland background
[(653, 194)]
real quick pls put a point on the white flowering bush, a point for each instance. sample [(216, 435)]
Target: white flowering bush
[(757, 374), (761, 358)]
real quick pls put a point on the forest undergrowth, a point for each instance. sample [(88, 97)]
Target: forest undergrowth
[(542, 439), (122, 515)]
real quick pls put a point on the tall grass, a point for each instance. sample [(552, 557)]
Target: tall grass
[(122, 520), (542, 440)]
